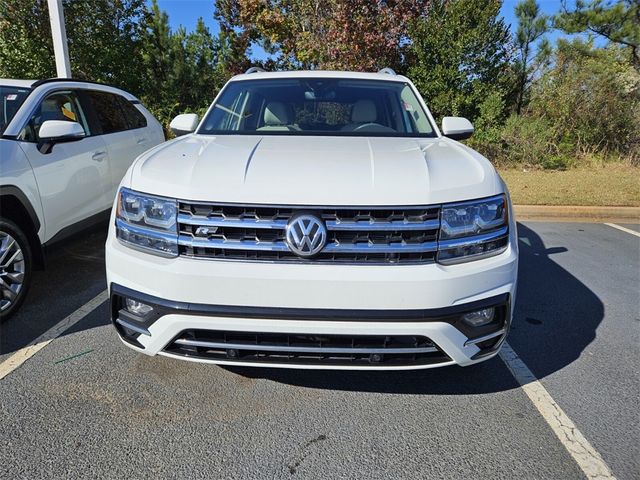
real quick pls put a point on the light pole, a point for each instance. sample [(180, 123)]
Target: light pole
[(59, 36)]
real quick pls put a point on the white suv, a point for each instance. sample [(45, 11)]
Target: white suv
[(64, 147), (314, 220)]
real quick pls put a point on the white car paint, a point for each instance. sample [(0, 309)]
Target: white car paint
[(77, 179), (312, 171)]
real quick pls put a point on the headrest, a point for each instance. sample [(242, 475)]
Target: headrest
[(277, 113), (364, 111), (50, 106)]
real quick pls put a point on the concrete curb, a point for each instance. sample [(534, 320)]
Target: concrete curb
[(571, 213)]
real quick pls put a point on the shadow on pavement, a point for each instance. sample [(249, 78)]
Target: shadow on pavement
[(74, 274), (556, 317)]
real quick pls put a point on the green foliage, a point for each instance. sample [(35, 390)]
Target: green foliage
[(532, 25), (180, 71), (592, 99), (587, 106), (532, 103), (459, 56), (103, 37), (26, 50), (617, 21)]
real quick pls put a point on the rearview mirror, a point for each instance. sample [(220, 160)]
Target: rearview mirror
[(58, 131), (183, 124), (457, 128)]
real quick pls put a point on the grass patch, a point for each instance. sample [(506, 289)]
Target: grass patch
[(610, 185)]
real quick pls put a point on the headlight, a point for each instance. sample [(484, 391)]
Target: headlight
[(147, 222), (473, 230)]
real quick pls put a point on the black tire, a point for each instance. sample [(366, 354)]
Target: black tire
[(11, 297)]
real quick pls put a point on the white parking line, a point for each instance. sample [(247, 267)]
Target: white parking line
[(25, 353), (624, 229), (587, 458)]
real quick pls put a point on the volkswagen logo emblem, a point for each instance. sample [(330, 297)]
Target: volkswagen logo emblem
[(306, 235)]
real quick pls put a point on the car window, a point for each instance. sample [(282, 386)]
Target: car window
[(318, 106), (63, 105), (11, 98), (134, 117), (108, 111)]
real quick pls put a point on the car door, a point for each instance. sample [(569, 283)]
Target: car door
[(74, 177), (122, 144)]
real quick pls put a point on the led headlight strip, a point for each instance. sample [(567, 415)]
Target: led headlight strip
[(147, 222), (473, 230)]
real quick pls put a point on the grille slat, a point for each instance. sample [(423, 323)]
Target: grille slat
[(307, 349), (354, 234)]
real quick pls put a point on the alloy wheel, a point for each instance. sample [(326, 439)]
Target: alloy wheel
[(12, 270)]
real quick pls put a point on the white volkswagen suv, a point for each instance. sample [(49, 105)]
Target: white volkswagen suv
[(314, 220), (64, 147)]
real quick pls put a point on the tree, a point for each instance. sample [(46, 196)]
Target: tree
[(180, 70), (459, 56), (532, 25), (103, 37), (26, 50), (328, 34), (618, 22)]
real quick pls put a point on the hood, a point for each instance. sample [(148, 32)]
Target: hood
[(314, 170)]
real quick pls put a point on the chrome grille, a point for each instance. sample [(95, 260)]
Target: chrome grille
[(354, 234), (307, 349)]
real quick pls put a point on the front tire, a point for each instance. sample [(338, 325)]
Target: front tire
[(16, 266)]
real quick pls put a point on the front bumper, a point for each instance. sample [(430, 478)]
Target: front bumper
[(204, 301)]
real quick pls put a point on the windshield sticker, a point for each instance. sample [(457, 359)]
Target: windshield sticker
[(11, 96)]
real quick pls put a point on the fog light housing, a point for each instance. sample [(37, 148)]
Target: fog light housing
[(479, 318), (137, 308)]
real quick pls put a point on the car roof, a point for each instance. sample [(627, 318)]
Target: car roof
[(68, 83), (12, 82), (258, 75)]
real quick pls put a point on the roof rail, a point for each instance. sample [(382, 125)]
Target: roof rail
[(57, 79), (388, 71), (254, 70)]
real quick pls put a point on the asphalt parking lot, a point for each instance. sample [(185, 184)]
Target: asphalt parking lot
[(87, 406)]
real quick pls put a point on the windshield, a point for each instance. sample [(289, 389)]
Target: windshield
[(318, 106), (11, 98)]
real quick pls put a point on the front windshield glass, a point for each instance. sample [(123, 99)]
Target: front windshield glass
[(318, 106), (11, 98)]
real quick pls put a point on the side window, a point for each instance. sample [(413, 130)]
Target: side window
[(57, 106), (134, 117), (108, 112)]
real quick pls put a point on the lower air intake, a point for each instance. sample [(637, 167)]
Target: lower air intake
[(296, 349)]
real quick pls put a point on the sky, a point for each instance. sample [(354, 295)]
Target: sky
[(186, 13)]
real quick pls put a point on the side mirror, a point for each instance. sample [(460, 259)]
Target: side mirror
[(457, 128), (183, 124), (58, 131)]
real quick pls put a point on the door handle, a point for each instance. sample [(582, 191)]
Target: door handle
[(98, 156), (141, 141)]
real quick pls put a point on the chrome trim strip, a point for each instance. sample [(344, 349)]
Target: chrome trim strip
[(361, 225), (202, 221), (467, 241), (291, 348), (393, 248), (485, 337), (135, 328), (188, 241), (382, 226)]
